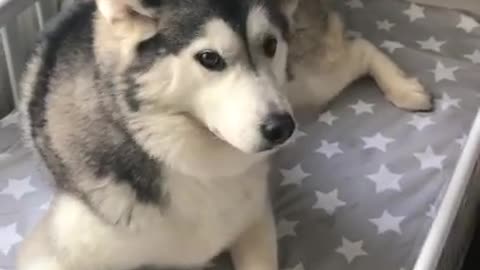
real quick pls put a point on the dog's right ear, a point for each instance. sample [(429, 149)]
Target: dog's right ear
[(128, 18)]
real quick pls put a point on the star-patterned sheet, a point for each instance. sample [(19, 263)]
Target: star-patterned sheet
[(359, 188)]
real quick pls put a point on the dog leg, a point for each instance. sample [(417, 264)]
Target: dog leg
[(256, 248), (35, 251), (403, 92)]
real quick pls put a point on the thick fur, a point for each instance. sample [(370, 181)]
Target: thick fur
[(158, 161)]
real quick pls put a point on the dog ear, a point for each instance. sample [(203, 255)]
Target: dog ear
[(289, 7), (128, 18)]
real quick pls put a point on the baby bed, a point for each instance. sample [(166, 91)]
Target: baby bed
[(364, 186)]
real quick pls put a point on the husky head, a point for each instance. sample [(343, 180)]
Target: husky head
[(222, 63)]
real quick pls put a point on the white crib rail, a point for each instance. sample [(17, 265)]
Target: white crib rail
[(12, 67), (15, 55), (452, 200)]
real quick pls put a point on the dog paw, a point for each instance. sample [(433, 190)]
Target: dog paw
[(410, 95)]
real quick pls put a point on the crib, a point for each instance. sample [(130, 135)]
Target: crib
[(397, 191)]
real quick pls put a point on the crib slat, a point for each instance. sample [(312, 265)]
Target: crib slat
[(13, 67), (14, 51), (39, 11), (45, 9)]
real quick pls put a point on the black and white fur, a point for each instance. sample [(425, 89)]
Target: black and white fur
[(156, 119)]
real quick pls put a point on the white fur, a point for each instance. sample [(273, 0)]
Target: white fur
[(202, 218), (234, 103)]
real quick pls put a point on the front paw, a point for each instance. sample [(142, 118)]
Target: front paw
[(410, 95)]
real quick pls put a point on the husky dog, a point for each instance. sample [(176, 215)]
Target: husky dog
[(156, 118)]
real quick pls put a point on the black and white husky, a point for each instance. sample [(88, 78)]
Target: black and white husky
[(156, 118)]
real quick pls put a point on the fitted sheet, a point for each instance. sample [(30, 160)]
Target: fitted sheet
[(359, 187)]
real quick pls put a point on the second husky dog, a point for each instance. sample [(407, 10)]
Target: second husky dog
[(156, 119)]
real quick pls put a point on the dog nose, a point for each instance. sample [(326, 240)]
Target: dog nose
[(278, 128)]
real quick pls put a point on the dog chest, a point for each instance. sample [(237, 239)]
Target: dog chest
[(201, 221)]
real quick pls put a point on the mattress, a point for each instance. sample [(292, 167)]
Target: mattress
[(363, 182)]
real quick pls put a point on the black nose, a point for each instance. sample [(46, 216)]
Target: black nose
[(278, 128)]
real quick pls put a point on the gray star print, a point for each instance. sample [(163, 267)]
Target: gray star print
[(421, 122), (327, 118), (431, 44), (442, 72), (378, 141), (293, 176), (351, 250), (385, 25), (474, 57), (467, 23), (446, 102), (329, 149), (391, 46), (414, 12), (384, 180), (429, 159), (387, 222), (328, 201), (361, 107), (286, 228)]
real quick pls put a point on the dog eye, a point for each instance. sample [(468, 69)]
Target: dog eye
[(210, 60), (270, 46)]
